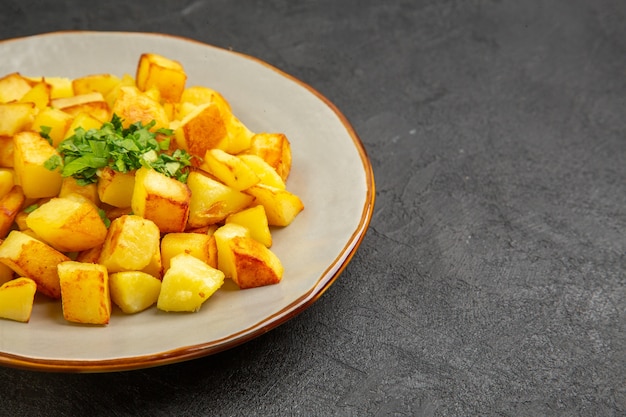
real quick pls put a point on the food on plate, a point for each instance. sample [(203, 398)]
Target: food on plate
[(162, 199), (68, 224), (16, 299), (130, 245), (134, 291), (200, 245), (133, 191), (31, 258), (187, 284), (85, 293)]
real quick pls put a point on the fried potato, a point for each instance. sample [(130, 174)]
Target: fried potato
[(187, 284), (85, 292), (31, 153), (7, 181), (116, 188), (223, 235), (281, 206), (266, 173), (134, 106), (201, 129), (162, 199), (7, 151), (169, 241), (15, 117), (229, 169), (70, 186), (275, 149), (130, 244), (199, 245), (255, 220), (10, 205), (211, 201), (254, 265), (16, 299), (84, 121), (68, 224), (30, 257), (101, 83), (6, 273), (39, 95), (13, 87), (167, 75), (134, 291), (248, 262), (56, 120)]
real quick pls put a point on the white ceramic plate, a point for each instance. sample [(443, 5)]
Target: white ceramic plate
[(330, 173)]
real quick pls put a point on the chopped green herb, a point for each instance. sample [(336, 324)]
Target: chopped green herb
[(122, 149), (31, 208), (45, 133), (104, 218)]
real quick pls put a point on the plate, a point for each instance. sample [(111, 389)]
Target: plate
[(331, 173)]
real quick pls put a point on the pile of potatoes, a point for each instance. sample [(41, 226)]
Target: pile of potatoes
[(168, 243)]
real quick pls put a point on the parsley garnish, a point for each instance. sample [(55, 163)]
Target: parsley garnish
[(45, 133), (105, 219), (86, 152), (31, 208)]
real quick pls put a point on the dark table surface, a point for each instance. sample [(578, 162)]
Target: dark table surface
[(492, 278)]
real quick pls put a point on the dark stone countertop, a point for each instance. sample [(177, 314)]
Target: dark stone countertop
[(492, 279)]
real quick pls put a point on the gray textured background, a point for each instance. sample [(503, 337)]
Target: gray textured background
[(492, 279)]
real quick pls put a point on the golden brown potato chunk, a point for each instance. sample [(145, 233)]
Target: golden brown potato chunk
[(85, 292), (162, 199), (30, 257), (167, 75)]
